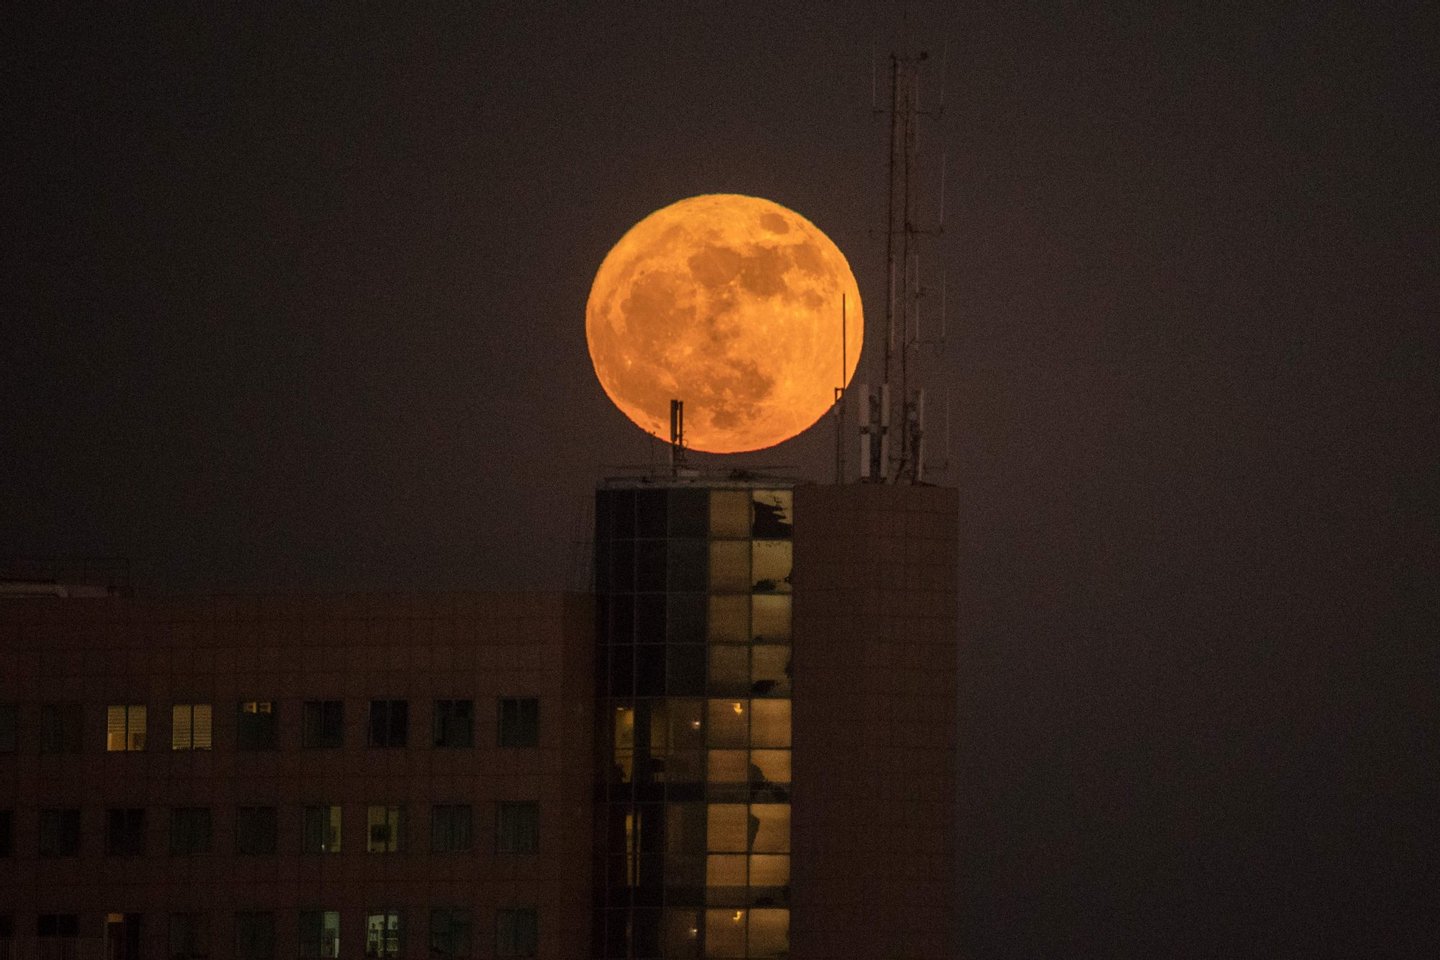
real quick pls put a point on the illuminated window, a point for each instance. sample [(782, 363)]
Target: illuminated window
[(768, 936), (730, 514), (321, 832), (7, 833), (319, 934), (450, 828), (449, 933), (770, 723), (189, 831), (384, 829), (517, 827), (256, 725), (125, 727), (770, 670), (190, 727), (454, 723), (519, 722), (389, 722), (255, 935), (725, 933), (59, 832), (770, 617), (383, 933), (255, 830), (125, 832), (189, 936), (729, 566), (322, 724), (8, 723), (770, 566), (516, 933), (727, 723)]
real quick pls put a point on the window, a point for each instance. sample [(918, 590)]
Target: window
[(517, 828), (7, 935), (319, 933), (454, 723), (190, 726), (8, 723), (383, 933), (450, 828), (323, 724), (189, 831), (255, 830), (516, 932), (7, 833), (449, 933), (255, 726), (254, 935), (321, 830), (122, 936), (59, 833), (58, 935), (189, 936), (125, 727), (519, 722), (389, 722), (384, 829), (60, 728), (125, 832)]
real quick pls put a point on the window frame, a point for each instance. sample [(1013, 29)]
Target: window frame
[(189, 712), (327, 729), (133, 723), (393, 727), (516, 730)]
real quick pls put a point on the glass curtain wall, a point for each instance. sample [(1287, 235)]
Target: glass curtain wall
[(693, 673)]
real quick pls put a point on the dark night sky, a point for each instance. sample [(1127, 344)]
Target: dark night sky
[(295, 300)]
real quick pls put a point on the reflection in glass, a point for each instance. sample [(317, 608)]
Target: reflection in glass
[(770, 617), (726, 723), (771, 570), (769, 870), (727, 828), (729, 669), (770, 669), (729, 566), (725, 870), (770, 723), (773, 510), (769, 934), (770, 826), (730, 514), (733, 766), (682, 933), (724, 933), (773, 766), (729, 619)]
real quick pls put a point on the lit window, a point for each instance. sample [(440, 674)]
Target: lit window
[(519, 722), (125, 727), (729, 566), (319, 934), (450, 828), (516, 933), (384, 829), (255, 830), (125, 832), (517, 828), (449, 933), (321, 830), (189, 831), (255, 935), (190, 727), (383, 933), (189, 936), (323, 724), (255, 726), (725, 933), (389, 723), (770, 569), (769, 932), (454, 723)]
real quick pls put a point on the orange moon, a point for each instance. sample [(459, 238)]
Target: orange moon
[(733, 305)]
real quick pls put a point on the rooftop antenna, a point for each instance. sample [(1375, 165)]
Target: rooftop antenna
[(677, 437), (840, 405)]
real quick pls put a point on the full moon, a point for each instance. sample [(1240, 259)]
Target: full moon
[(731, 304)]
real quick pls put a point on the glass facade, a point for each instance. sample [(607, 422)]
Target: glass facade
[(693, 624)]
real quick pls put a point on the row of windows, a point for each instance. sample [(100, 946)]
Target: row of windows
[(387, 830), (322, 725), (694, 512), (320, 934)]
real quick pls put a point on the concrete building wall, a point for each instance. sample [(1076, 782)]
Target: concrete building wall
[(222, 651), (875, 644)]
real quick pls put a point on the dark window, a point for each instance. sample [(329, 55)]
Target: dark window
[(323, 724), (454, 724), (59, 833), (125, 832), (689, 513), (255, 830), (389, 722), (516, 932), (449, 933), (519, 722), (517, 828), (319, 933), (7, 833), (122, 936), (189, 831), (255, 935), (8, 723), (255, 727), (450, 828), (58, 935), (321, 832), (7, 934), (60, 727), (189, 936)]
